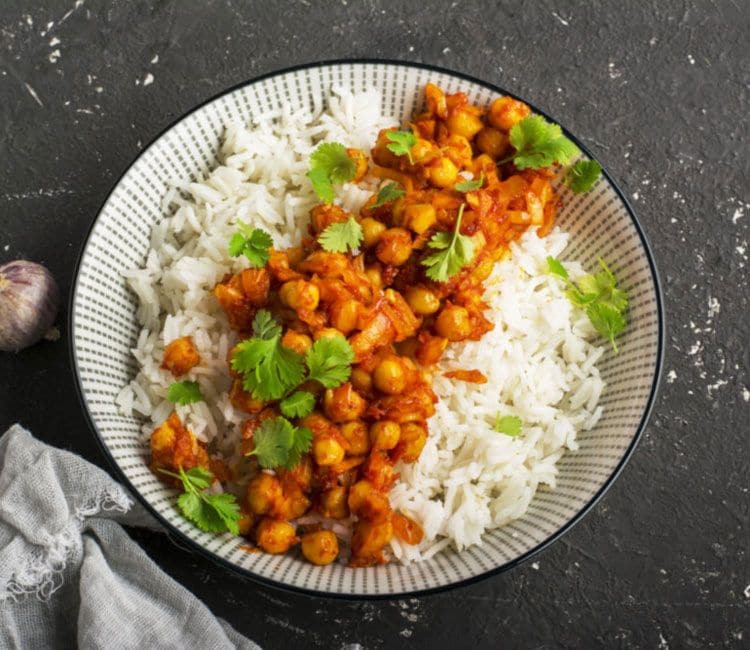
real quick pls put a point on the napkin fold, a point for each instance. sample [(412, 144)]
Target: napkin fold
[(69, 573)]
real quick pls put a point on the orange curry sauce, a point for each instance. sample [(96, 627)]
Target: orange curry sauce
[(397, 321)]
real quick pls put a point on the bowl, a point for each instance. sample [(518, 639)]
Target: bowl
[(104, 329)]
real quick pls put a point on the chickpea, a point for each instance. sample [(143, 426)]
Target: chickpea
[(300, 295), (492, 142), (384, 434), (263, 493), (394, 247), (443, 173), (423, 151), (422, 301), (360, 160), (243, 400), (413, 439), (275, 536), (355, 433), (506, 112), (292, 505), (301, 473), (296, 341), (326, 450), (361, 380), (332, 503), (372, 230), (245, 522), (397, 212), (370, 537), (430, 348), (317, 423), (343, 315), (453, 323), (459, 150), (380, 152), (343, 403), (367, 502), (374, 276), (389, 376), (464, 123), (322, 216), (420, 217), (320, 547), (326, 333)]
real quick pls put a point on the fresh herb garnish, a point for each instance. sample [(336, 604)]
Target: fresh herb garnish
[(539, 143), (401, 143), (605, 304), (456, 251), (278, 443), (298, 404), (329, 361), (253, 243), (470, 186), (184, 392), (330, 165), (388, 193), (269, 369), (582, 176), (510, 425), (338, 237), (213, 513)]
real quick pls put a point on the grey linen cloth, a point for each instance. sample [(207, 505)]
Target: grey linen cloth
[(70, 575)]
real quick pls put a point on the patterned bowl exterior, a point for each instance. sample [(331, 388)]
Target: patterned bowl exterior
[(104, 328)]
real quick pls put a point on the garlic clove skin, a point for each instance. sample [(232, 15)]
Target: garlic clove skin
[(29, 300)]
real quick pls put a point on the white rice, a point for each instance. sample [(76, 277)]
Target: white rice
[(539, 361)]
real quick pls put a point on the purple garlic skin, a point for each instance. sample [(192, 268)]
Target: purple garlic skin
[(29, 300)]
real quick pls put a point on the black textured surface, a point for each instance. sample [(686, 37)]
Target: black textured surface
[(659, 92)]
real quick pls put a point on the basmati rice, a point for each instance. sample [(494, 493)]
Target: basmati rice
[(539, 359)]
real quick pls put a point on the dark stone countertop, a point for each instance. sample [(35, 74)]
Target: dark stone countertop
[(659, 92)]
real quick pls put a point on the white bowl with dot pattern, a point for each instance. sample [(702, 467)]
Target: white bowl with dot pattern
[(104, 328)]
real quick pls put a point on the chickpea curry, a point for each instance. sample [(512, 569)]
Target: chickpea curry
[(339, 336)]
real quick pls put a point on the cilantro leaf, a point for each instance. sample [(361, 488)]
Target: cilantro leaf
[(470, 186), (301, 443), (604, 302), (213, 513), (510, 425), (184, 392), (607, 320), (330, 165), (556, 267), (269, 369), (539, 143), (278, 443), (456, 251), (582, 176), (199, 477), (401, 143), (253, 243), (264, 326), (298, 404), (329, 361), (337, 237), (321, 184), (388, 193)]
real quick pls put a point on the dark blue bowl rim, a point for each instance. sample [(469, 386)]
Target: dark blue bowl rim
[(183, 541)]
